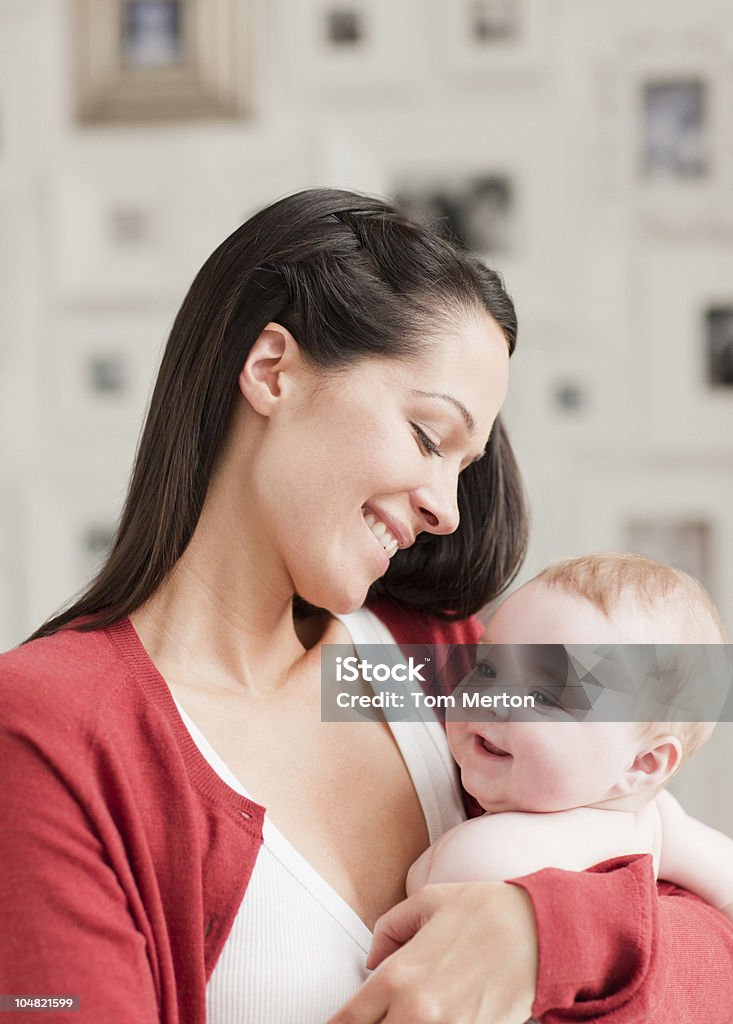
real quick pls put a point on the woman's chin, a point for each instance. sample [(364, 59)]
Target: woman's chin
[(346, 604), (337, 602), (341, 588)]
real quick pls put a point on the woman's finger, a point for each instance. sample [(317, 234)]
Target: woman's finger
[(368, 1006), (398, 925), (469, 954)]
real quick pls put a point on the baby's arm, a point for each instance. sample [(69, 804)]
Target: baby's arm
[(496, 847), (695, 856)]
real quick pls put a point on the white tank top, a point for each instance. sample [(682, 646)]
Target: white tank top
[(296, 951)]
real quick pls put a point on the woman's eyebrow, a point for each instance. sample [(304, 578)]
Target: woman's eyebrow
[(469, 420)]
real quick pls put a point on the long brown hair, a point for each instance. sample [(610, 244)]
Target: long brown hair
[(350, 278)]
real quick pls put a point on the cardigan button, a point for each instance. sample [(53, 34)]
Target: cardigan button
[(207, 927), (245, 814)]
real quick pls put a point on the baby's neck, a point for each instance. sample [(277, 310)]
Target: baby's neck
[(629, 802)]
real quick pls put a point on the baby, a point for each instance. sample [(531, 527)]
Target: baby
[(561, 786)]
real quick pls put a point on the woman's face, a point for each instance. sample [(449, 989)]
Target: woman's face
[(355, 464)]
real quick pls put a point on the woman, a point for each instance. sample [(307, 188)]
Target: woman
[(323, 429)]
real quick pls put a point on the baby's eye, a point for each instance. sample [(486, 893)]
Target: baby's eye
[(427, 443), (544, 700), (486, 669)]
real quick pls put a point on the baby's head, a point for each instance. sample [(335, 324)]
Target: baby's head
[(555, 757)]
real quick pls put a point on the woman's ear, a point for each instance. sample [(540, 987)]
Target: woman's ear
[(272, 357), (653, 765)]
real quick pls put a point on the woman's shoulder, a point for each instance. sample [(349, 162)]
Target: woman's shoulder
[(67, 651), (57, 678)]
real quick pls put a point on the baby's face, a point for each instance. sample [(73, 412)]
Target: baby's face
[(556, 758)]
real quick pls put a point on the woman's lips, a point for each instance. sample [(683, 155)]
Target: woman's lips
[(381, 553), (489, 749)]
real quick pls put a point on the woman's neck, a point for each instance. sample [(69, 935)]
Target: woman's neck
[(224, 616)]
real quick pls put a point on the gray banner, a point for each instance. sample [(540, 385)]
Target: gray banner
[(528, 682)]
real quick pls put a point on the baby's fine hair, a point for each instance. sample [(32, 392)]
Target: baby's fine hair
[(679, 619)]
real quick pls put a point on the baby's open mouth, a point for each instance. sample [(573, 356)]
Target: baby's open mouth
[(491, 749)]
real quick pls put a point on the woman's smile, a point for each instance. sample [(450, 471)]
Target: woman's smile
[(377, 543), (386, 538)]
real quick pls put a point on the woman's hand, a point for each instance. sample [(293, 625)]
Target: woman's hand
[(468, 956)]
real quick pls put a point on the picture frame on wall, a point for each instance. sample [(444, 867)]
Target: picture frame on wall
[(69, 517), (663, 131), (688, 311), (153, 60), (477, 210), (493, 22), (676, 515), (564, 392), (153, 33), (344, 27), (675, 129), (116, 236), (351, 46), (718, 327), (489, 36), (100, 369)]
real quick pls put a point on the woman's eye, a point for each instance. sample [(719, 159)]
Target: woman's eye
[(426, 443), (486, 669)]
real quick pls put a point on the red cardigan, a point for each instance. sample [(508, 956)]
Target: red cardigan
[(124, 858)]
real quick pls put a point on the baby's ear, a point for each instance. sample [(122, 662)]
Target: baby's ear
[(654, 764)]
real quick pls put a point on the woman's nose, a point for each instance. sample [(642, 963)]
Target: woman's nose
[(438, 508)]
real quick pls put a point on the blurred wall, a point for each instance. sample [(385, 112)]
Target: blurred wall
[(585, 148)]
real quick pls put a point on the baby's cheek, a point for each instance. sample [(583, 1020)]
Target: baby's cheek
[(547, 760), (562, 781), (456, 733)]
